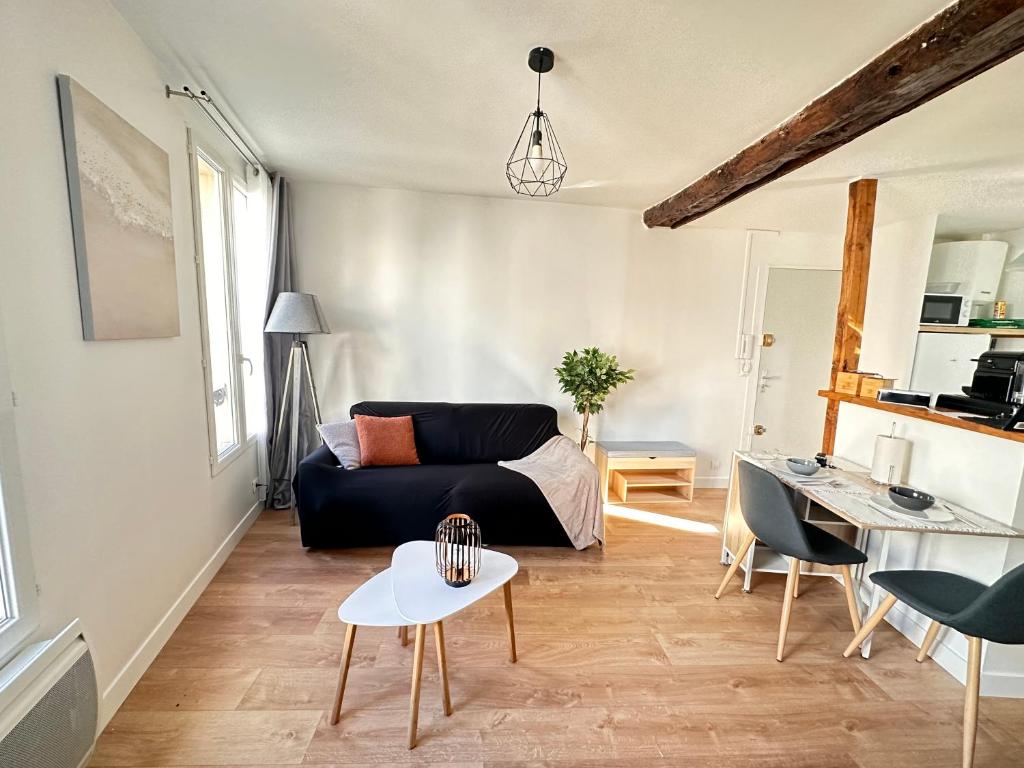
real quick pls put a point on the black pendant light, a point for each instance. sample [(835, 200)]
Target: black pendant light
[(537, 166)]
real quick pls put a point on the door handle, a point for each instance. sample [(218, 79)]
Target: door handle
[(759, 429)]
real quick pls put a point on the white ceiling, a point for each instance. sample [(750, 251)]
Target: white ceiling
[(645, 96), (961, 154)]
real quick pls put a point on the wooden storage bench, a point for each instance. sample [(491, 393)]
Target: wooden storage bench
[(646, 472)]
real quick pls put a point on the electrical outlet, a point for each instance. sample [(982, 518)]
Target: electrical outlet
[(716, 464)]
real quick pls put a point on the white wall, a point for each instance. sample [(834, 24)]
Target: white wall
[(124, 516), (900, 253), (461, 298)]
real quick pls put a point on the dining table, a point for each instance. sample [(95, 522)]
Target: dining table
[(847, 491)]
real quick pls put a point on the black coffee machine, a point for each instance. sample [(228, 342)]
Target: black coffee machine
[(996, 392)]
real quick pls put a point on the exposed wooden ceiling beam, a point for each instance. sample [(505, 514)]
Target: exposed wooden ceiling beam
[(959, 43)]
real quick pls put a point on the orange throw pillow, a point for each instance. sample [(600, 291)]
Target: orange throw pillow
[(386, 441)]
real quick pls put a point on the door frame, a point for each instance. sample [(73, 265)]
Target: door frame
[(757, 322)]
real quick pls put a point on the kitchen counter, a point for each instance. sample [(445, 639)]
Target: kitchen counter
[(925, 414)]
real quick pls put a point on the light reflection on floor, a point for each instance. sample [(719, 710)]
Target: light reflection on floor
[(666, 521)]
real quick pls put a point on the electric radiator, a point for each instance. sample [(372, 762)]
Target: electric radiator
[(48, 703)]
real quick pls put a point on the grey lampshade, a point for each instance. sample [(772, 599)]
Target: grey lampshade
[(297, 313)]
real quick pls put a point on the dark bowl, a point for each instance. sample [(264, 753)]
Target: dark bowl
[(910, 498)]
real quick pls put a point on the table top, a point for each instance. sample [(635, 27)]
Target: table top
[(420, 593), (625, 449), (846, 492), (373, 604)]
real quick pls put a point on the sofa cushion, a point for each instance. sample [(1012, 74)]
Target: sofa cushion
[(465, 433), (386, 441), (343, 440)]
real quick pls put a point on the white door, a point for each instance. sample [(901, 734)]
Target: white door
[(795, 361)]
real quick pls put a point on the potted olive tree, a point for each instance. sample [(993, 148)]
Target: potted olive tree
[(589, 376)]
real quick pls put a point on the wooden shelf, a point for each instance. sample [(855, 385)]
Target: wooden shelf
[(970, 329), (647, 496), (641, 479), (925, 414)]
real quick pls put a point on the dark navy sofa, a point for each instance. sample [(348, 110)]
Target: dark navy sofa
[(459, 446)]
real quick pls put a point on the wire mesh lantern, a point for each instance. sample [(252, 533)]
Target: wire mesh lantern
[(537, 165), (457, 546)]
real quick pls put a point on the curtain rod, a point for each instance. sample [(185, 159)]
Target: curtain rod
[(202, 100)]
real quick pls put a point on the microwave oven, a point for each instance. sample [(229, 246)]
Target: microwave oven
[(945, 309)]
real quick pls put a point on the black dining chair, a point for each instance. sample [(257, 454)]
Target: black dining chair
[(771, 515), (993, 613)]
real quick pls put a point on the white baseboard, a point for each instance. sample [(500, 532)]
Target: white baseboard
[(115, 694), (711, 481), (1007, 685)]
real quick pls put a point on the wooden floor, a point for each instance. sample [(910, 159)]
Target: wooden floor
[(625, 659)]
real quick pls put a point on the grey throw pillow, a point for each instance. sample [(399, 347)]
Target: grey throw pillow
[(343, 440)]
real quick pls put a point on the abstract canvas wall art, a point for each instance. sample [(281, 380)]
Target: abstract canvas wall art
[(119, 185)]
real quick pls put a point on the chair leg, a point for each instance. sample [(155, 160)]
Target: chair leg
[(870, 624), (747, 542), (417, 675), (510, 621), (971, 700), (929, 640), (851, 598), (796, 584), (346, 658), (403, 635), (442, 667), (787, 605)]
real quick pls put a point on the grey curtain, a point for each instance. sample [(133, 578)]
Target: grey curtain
[(277, 347)]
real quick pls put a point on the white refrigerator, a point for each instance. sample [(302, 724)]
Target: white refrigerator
[(945, 362)]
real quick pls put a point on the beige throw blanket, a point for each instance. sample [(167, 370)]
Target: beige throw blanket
[(570, 483)]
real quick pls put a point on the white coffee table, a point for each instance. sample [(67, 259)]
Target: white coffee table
[(411, 593)]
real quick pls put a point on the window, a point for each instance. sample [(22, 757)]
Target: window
[(231, 260), (17, 583)]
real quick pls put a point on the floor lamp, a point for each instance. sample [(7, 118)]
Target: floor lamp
[(296, 314)]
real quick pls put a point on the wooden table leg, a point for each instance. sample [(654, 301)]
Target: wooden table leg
[(346, 658), (403, 635), (442, 666), (973, 684), (417, 674), (507, 589)]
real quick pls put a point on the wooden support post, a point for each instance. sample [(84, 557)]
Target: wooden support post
[(860, 222)]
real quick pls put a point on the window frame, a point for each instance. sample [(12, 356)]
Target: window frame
[(250, 435), (18, 589), (242, 439)]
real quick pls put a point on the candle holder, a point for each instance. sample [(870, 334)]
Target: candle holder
[(457, 545)]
